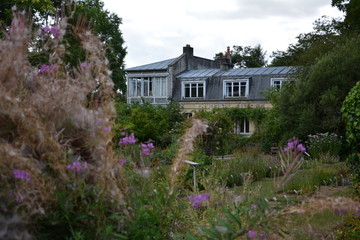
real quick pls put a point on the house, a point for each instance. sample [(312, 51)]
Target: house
[(198, 83)]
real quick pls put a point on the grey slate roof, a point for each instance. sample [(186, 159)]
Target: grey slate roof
[(162, 65), (238, 72), (259, 81)]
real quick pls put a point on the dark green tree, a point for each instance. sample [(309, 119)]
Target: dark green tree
[(351, 8), (313, 103), (103, 23), (107, 26), (246, 57)]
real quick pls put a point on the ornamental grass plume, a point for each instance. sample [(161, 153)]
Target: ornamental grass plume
[(55, 117), (187, 141)]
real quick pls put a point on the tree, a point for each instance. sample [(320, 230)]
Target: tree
[(107, 26), (313, 103), (351, 8), (310, 46), (104, 24), (246, 57)]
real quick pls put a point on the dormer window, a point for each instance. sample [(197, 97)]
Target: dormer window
[(236, 88), (277, 83), (193, 89)]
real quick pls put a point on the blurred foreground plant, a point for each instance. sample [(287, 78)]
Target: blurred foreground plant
[(55, 122), (291, 161)]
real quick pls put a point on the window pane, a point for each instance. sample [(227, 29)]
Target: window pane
[(146, 87), (228, 90), (247, 126), (200, 90), (236, 89), (242, 127), (187, 90), (163, 86), (193, 90), (277, 84), (243, 89)]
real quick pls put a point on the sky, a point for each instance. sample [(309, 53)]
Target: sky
[(156, 30)]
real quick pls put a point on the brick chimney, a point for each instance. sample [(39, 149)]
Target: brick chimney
[(225, 61), (188, 50)]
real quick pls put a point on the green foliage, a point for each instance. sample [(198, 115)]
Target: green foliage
[(351, 114), (230, 172), (104, 24), (107, 26), (221, 139), (160, 124), (322, 144), (351, 9), (238, 221), (308, 181), (78, 206), (349, 229), (247, 56), (220, 128), (313, 103), (310, 46), (156, 214)]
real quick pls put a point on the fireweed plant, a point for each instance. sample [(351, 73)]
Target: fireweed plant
[(139, 155), (56, 148)]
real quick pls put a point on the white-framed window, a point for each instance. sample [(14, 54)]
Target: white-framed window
[(236, 88), (135, 87), (277, 83), (147, 87), (193, 89), (242, 126)]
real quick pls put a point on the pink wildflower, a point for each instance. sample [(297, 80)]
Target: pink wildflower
[(77, 166), (251, 234), (128, 140), (21, 175), (197, 200), (122, 162), (46, 68)]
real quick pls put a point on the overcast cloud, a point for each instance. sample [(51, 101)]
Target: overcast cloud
[(156, 30)]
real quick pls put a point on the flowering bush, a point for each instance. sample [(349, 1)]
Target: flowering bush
[(321, 144)]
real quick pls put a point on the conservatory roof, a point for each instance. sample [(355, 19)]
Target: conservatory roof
[(162, 65)]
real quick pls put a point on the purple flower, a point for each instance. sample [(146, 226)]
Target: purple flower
[(251, 234), (51, 30), (21, 175), (128, 140), (55, 32), (46, 28), (122, 162), (254, 206), (106, 129), (357, 213), (262, 235), (340, 212), (301, 148), (294, 146), (198, 199), (77, 166), (146, 149), (85, 65), (46, 68)]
